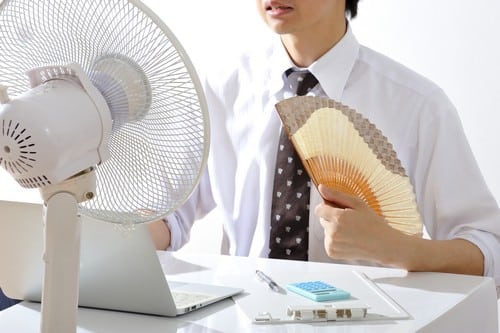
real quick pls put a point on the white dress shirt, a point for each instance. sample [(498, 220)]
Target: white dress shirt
[(413, 113)]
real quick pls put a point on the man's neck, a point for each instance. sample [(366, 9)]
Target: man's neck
[(304, 48)]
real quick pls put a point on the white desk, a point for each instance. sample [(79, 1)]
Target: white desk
[(437, 302)]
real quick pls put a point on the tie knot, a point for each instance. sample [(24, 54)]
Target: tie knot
[(304, 79)]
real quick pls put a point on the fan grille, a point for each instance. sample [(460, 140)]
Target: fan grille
[(156, 160)]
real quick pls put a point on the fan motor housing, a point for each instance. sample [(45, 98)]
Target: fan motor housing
[(49, 133)]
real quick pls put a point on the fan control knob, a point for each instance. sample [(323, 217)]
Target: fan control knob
[(4, 96)]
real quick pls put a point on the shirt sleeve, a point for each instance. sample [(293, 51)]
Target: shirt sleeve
[(453, 197), (199, 204)]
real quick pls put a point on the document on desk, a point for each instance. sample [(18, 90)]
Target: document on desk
[(368, 302)]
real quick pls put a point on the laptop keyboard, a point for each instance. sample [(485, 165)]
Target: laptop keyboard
[(184, 299)]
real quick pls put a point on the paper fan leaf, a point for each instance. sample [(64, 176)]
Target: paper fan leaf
[(343, 150), (292, 120)]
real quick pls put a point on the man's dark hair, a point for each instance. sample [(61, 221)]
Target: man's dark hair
[(351, 8)]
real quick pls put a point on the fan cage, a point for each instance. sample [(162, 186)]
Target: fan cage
[(156, 160)]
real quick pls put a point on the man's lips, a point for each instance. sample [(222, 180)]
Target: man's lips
[(277, 9)]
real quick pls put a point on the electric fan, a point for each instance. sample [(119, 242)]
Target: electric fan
[(105, 114)]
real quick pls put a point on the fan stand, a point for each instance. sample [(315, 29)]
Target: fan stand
[(61, 256)]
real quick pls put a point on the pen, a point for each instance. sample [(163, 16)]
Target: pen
[(273, 285)]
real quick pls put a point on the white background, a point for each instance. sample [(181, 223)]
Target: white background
[(454, 43)]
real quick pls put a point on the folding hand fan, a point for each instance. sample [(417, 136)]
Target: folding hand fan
[(343, 150)]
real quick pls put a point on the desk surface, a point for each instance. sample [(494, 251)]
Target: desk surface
[(437, 302)]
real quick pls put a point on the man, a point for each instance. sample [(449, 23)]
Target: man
[(459, 213)]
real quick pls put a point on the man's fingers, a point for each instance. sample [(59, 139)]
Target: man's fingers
[(337, 198), (326, 212)]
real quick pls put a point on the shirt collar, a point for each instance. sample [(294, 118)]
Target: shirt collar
[(332, 70)]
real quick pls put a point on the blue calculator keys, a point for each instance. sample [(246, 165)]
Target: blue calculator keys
[(318, 291)]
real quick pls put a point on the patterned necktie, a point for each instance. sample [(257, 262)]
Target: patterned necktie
[(290, 206)]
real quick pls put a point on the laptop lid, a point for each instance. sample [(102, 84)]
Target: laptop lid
[(118, 270)]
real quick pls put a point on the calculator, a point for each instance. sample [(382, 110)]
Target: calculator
[(318, 291)]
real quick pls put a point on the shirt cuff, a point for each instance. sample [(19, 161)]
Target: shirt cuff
[(175, 233)]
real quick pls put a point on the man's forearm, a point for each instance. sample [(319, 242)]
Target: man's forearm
[(451, 256), (160, 233)]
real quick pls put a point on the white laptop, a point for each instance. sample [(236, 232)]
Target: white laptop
[(117, 271)]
